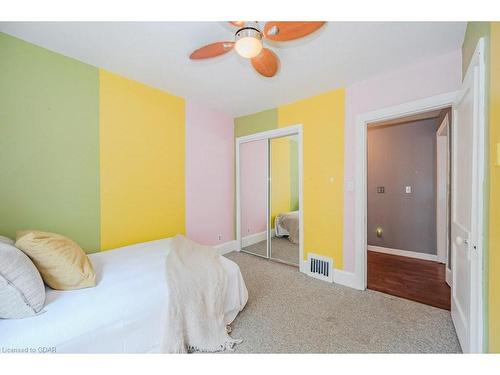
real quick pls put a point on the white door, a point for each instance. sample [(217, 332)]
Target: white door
[(466, 131)]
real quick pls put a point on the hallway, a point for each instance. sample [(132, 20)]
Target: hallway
[(414, 279)]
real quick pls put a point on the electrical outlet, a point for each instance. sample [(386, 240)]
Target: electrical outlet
[(219, 237), (408, 189)]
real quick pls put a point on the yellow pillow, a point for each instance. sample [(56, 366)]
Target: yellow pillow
[(61, 262)]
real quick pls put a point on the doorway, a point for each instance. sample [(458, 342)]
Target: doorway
[(467, 197), (269, 195), (406, 189)]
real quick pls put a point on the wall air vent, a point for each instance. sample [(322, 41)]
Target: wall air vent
[(320, 267)]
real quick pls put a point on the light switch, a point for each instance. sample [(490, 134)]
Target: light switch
[(408, 189)]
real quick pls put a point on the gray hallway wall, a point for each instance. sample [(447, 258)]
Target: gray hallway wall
[(399, 156)]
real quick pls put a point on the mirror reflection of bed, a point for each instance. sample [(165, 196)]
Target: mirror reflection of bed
[(269, 198), (284, 240), (285, 243)]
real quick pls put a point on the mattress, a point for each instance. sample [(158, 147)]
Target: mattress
[(287, 224), (124, 313)]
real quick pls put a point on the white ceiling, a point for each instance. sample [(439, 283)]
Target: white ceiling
[(156, 53)]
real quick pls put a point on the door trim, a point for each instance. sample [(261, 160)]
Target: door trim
[(267, 135), (443, 174), (360, 199)]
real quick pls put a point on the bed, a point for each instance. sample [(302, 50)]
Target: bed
[(287, 224), (122, 314)]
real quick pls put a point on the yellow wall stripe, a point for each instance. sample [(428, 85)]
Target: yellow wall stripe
[(494, 206), (142, 157), (323, 141)]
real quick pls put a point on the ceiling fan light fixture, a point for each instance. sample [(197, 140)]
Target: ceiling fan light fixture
[(248, 42)]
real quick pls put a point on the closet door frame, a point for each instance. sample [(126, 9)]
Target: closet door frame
[(268, 135)]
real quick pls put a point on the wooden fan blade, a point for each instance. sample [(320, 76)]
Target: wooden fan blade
[(212, 50), (266, 63), (237, 23), (283, 31)]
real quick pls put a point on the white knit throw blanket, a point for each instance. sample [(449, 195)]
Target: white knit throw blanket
[(196, 282)]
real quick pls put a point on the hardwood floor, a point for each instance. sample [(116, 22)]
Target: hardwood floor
[(415, 279)]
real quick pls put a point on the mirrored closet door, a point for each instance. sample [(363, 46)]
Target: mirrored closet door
[(253, 170), (284, 199), (268, 175)]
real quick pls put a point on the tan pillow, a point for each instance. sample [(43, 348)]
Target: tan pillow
[(61, 262)]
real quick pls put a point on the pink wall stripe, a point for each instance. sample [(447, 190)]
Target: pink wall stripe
[(209, 175), (430, 77)]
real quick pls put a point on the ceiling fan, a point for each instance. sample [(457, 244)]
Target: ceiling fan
[(248, 42)]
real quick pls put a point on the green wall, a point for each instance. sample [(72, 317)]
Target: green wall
[(474, 31), (256, 123), (49, 143)]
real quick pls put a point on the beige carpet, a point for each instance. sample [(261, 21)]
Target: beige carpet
[(288, 312), (281, 248)]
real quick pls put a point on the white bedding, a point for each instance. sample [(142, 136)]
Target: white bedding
[(124, 313)]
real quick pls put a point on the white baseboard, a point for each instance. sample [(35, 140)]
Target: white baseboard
[(347, 278), (404, 253), (255, 238), (227, 247), (448, 277), (340, 277)]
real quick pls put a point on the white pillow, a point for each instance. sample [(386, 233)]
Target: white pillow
[(22, 292), (6, 240)]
